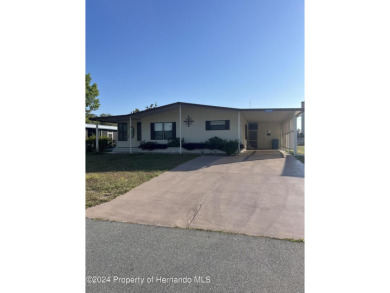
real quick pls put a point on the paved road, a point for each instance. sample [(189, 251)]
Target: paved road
[(226, 262), (258, 193)]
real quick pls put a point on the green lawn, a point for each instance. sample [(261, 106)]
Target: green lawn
[(301, 153), (109, 175)]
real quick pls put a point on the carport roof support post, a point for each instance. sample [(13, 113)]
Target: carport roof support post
[(295, 135)]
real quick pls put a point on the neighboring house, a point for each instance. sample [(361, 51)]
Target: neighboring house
[(254, 128), (104, 130)]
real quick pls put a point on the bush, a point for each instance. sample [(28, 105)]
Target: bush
[(151, 145), (104, 143), (230, 146), (194, 145), (90, 143), (215, 143), (175, 142)]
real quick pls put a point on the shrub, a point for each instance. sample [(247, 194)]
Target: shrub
[(90, 143), (194, 145), (230, 146), (175, 142), (104, 143), (151, 145), (215, 143)]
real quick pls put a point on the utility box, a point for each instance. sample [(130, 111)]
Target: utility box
[(275, 144)]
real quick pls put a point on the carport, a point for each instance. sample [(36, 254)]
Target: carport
[(261, 126)]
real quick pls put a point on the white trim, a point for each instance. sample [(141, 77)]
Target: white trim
[(103, 127), (295, 135)]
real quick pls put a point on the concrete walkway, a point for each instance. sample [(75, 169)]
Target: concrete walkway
[(258, 193)]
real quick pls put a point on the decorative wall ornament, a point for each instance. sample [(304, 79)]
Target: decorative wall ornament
[(188, 121)]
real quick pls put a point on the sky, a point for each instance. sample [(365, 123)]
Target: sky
[(243, 54)]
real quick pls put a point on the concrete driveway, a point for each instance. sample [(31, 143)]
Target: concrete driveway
[(259, 193)]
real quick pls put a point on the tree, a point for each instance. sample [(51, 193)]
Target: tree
[(91, 93), (151, 106), (136, 110), (106, 123)]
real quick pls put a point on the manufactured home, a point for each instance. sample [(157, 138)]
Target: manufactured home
[(255, 129)]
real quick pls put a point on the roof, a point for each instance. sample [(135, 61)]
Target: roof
[(107, 127), (147, 112)]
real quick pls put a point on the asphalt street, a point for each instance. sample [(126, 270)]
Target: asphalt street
[(124, 257)]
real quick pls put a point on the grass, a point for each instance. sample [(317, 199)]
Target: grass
[(108, 176), (300, 153)]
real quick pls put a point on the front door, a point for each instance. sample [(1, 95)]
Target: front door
[(252, 141)]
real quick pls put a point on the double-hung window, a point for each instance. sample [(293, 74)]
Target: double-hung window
[(162, 130)]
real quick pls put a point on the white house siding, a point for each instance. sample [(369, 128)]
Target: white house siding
[(169, 116), (263, 140), (197, 131), (134, 142), (243, 123)]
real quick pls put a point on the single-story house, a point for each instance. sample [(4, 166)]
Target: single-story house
[(254, 128), (103, 130)]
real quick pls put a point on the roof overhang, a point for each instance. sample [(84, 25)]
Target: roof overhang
[(265, 115), (270, 115)]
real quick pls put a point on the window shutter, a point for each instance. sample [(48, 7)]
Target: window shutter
[(139, 131), (173, 130), (207, 125), (152, 131), (227, 124)]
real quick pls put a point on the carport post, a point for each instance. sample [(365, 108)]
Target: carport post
[(97, 136), (180, 126), (295, 135), (131, 150), (239, 132)]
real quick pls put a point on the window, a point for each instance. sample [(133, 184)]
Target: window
[(246, 131), (139, 136), (218, 125), (122, 131), (163, 130)]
